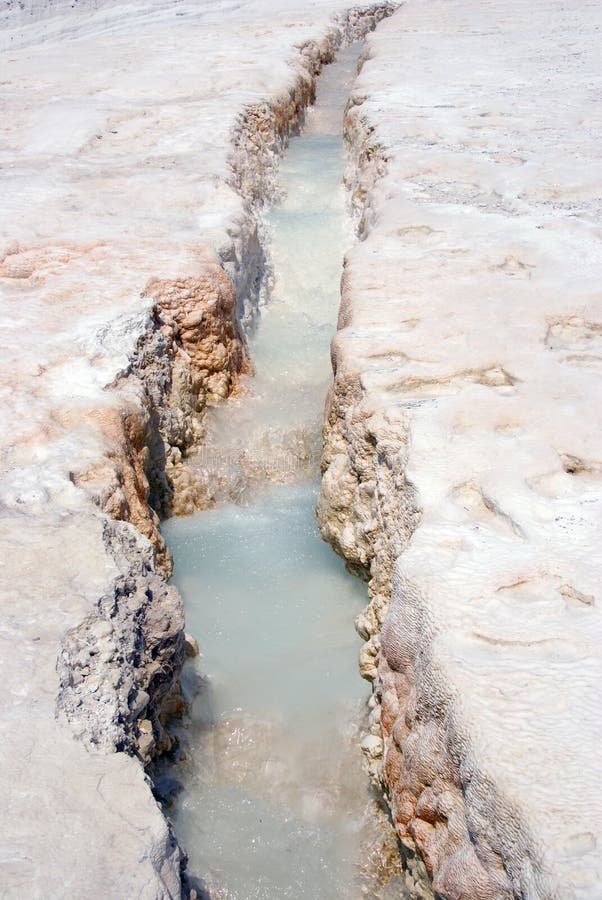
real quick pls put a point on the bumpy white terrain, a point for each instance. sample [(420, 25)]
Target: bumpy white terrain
[(462, 460), (463, 463)]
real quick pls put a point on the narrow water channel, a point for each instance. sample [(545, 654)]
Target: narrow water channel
[(275, 799)]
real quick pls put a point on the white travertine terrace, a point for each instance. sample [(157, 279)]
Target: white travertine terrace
[(470, 344), (473, 327), (116, 130)]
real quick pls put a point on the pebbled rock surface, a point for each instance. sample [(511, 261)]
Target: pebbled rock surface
[(118, 669), (461, 463)]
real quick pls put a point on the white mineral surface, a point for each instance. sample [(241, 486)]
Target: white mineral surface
[(115, 133), (474, 320), (475, 315)]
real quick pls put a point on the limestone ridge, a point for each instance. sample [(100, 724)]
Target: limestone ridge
[(368, 510), (119, 669)]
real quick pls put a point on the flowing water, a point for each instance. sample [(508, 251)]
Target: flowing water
[(275, 801)]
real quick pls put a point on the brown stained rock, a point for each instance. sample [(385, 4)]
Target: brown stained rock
[(191, 356), (198, 317), (118, 482)]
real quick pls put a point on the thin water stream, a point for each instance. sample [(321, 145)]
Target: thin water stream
[(275, 802)]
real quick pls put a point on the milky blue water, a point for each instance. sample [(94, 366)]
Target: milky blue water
[(274, 789)]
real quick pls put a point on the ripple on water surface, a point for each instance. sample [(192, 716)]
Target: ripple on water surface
[(274, 788)]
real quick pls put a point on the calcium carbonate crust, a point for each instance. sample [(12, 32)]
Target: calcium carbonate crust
[(440, 754)]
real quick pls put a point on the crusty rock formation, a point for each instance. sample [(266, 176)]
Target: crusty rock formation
[(461, 457), (190, 357), (119, 668)]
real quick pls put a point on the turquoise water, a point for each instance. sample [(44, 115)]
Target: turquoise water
[(274, 789), (275, 795), (275, 608)]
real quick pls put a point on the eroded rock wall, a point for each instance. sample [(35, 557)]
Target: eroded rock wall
[(119, 669), (466, 378)]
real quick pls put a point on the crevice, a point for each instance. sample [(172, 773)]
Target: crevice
[(120, 669)]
